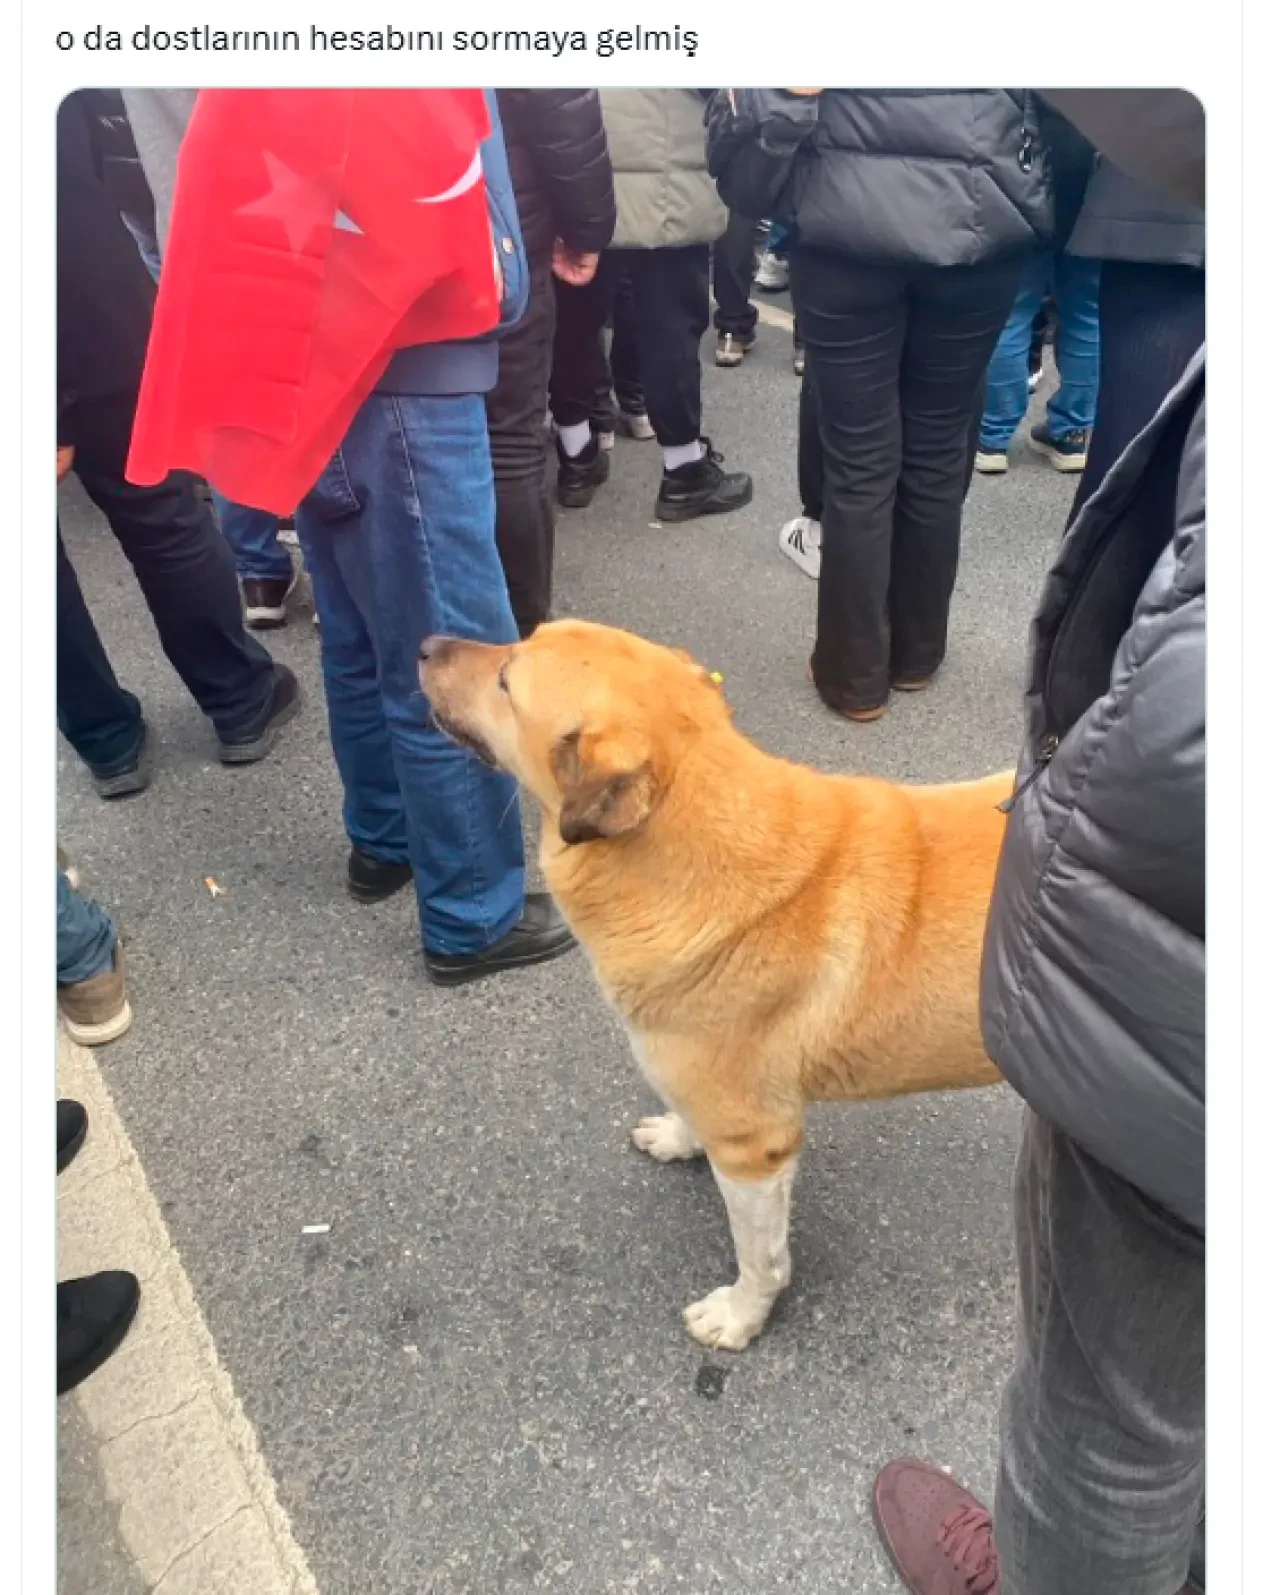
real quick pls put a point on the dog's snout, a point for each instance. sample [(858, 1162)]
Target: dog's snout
[(434, 647)]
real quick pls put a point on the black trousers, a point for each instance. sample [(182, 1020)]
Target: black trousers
[(517, 410), (809, 450), (733, 262), (672, 299), (188, 578), (1151, 322), (898, 357), (618, 364)]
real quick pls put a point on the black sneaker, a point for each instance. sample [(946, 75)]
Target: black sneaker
[(94, 1315), (372, 880), (581, 474), (286, 700), (732, 348), (702, 488), (73, 1126), (265, 601), (130, 775), (537, 936), (1066, 453)]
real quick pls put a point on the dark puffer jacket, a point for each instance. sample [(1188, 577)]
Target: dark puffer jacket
[(1093, 973), (560, 168), (948, 177)]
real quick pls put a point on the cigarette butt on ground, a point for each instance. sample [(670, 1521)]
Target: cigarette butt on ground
[(316, 1229), (214, 889)]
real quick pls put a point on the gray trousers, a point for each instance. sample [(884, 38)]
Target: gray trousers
[(1101, 1484)]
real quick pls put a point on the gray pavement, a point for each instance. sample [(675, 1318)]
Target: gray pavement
[(478, 1380)]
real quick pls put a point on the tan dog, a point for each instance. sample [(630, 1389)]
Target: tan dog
[(770, 935)]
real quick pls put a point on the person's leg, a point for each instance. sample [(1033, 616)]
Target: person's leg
[(801, 537), (101, 721), (733, 266), (1008, 392), (516, 407), (373, 810), (624, 351), (672, 306), (254, 536), (953, 321), (1074, 406), (91, 989), (417, 556), (772, 274), (86, 936), (579, 383), (187, 576), (1151, 321), (1101, 1478), (853, 321)]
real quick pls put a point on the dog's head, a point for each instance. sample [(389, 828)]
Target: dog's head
[(592, 721)]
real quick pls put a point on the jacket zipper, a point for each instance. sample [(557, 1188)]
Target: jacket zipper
[(1024, 148), (1048, 747)]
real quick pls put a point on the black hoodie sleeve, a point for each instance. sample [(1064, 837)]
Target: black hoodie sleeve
[(562, 131)]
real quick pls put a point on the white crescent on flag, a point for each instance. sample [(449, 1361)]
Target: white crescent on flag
[(469, 179)]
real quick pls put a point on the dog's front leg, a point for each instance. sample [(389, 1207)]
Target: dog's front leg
[(759, 1216)]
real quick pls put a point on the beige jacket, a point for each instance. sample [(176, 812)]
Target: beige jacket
[(658, 147)]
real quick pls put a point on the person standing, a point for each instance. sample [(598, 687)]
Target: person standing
[(915, 213), (105, 299), (1093, 1009), (668, 217), (563, 185)]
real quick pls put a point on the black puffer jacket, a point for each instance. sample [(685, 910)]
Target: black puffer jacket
[(560, 168), (907, 177), (1093, 973)]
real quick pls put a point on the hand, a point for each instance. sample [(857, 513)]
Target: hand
[(806, 93), (65, 456), (571, 266)]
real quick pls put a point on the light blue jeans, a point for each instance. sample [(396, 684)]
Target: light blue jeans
[(1074, 285), (86, 936), (398, 535)]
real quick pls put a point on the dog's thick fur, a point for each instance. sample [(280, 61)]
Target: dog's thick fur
[(770, 935)]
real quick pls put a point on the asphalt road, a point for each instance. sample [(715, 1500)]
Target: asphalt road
[(478, 1381)]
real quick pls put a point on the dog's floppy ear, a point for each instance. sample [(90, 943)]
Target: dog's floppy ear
[(607, 788)]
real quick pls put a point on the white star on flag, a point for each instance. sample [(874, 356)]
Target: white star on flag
[(469, 179)]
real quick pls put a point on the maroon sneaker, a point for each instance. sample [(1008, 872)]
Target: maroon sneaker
[(937, 1535)]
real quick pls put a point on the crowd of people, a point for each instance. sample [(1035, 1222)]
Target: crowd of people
[(935, 245)]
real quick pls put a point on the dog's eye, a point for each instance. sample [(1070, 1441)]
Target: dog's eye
[(502, 680)]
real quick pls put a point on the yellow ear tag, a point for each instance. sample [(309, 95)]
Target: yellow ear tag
[(717, 678)]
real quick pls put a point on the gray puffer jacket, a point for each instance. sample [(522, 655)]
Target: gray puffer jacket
[(1093, 971), (666, 199), (949, 177)]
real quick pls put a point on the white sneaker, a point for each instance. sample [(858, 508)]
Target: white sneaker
[(801, 541), (773, 274), (637, 426), (990, 462)]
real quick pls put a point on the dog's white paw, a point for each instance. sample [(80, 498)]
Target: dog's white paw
[(667, 1138), (729, 1319)]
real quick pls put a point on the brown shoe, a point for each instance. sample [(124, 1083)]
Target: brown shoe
[(96, 1010), (937, 1535)]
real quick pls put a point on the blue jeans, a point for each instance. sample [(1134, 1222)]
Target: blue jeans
[(1074, 285), (86, 936), (398, 535), (254, 539)]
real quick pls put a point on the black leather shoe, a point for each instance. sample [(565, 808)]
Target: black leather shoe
[(371, 880), (94, 1315), (537, 936), (130, 776), (73, 1126), (286, 700), (581, 474), (702, 488)]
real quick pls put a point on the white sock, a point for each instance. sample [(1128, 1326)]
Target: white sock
[(574, 439), (682, 454)]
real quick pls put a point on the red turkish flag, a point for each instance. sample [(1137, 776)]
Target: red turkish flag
[(314, 232)]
